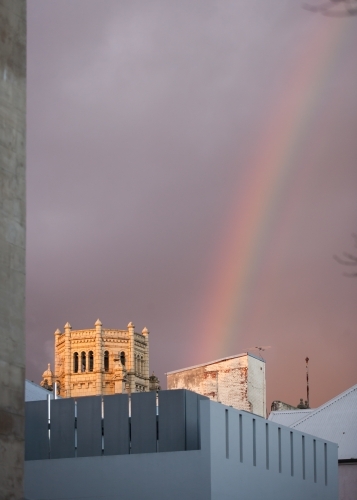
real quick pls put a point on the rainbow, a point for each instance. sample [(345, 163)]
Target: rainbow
[(238, 260)]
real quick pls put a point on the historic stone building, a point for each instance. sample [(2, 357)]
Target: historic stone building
[(100, 361), (237, 381)]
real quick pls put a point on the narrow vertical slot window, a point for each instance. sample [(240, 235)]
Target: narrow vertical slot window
[(254, 443), (267, 445), (303, 457), (315, 465), (75, 428), (325, 457), (102, 415), (292, 452), (227, 434), (240, 438), (279, 447)]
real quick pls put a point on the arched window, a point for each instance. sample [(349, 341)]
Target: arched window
[(106, 361), (122, 358), (75, 362), (136, 359), (90, 361), (83, 361), (142, 365)]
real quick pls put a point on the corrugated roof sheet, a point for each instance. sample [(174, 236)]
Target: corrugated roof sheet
[(34, 392), (336, 421), (288, 417)]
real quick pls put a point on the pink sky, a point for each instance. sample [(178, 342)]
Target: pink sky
[(145, 120)]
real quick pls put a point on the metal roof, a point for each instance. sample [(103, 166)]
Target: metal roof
[(288, 417), (34, 392), (217, 361), (334, 421)]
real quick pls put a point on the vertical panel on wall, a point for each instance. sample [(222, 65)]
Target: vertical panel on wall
[(172, 420), (193, 420), (62, 428), (116, 425), (36, 430), (89, 426), (192, 425), (143, 422)]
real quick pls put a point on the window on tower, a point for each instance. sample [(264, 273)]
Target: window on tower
[(106, 361), (90, 361), (75, 362), (122, 358), (83, 361)]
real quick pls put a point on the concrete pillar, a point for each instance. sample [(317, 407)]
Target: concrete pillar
[(145, 332), (68, 360), (131, 367), (12, 245), (98, 360)]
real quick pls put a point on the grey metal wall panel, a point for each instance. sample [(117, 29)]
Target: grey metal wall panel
[(89, 426), (172, 420), (192, 415), (116, 425), (143, 422), (36, 430), (62, 428), (193, 419)]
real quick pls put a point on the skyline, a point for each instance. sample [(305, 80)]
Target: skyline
[(192, 168)]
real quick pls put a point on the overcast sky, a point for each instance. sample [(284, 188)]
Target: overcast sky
[(152, 126)]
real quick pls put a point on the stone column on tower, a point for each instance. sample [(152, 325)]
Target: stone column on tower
[(145, 332), (67, 363), (131, 371), (98, 360)]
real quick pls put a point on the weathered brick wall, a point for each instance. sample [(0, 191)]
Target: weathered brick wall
[(236, 382), (12, 245)]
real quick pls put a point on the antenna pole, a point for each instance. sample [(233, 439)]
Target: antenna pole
[(307, 382)]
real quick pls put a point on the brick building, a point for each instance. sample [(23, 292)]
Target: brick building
[(237, 381)]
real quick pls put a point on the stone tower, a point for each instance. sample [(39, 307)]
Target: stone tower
[(100, 361)]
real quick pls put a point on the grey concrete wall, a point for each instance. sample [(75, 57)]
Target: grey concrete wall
[(181, 475), (12, 244), (347, 481), (240, 470), (234, 462)]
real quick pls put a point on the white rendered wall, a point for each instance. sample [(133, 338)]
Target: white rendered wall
[(347, 480), (256, 386)]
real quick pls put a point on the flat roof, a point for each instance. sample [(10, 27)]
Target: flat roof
[(217, 361)]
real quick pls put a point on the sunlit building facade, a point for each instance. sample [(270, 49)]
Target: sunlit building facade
[(99, 361)]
